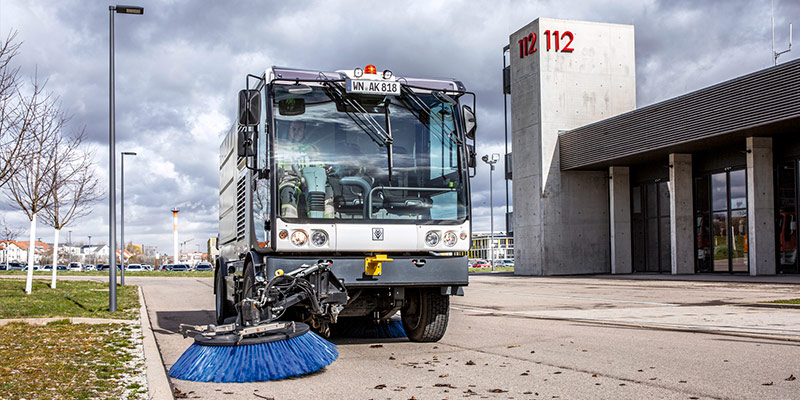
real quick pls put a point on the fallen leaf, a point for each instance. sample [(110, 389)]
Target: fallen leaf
[(790, 378), (622, 384), (532, 352), (556, 373), (681, 381), (497, 391), (444, 375), (528, 392), (470, 362), (512, 346), (392, 358), (375, 346), (770, 383), (595, 376), (435, 347), (652, 379), (524, 374), (227, 392), (381, 386), (469, 391), (447, 385)]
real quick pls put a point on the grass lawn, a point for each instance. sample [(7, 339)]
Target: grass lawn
[(69, 299), (490, 270), (201, 274), (792, 301), (65, 361)]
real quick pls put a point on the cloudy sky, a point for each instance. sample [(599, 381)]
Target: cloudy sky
[(180, 65)]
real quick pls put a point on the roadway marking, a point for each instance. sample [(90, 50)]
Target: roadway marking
[(553, 296)]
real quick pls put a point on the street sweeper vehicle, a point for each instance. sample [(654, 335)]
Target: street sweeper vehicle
[(344, 199)]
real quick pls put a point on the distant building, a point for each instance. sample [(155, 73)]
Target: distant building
[(213, 252), (503, 246)]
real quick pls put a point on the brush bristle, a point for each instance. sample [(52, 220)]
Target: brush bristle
[(281, 359)]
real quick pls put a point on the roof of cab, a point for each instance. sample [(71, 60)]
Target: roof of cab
[(318, 75)]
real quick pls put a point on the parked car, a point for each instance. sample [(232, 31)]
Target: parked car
[(204, 267), (481, 264), (47, 267), (89, 267), (134, 267), (180, 267), (75, 266), (166, 267), (147, 267), (505, 263), (62, 268), (15, 266)]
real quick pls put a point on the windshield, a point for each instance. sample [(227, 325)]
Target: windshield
[(333, 161)]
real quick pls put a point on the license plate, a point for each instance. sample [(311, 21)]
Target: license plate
[(365, 86)]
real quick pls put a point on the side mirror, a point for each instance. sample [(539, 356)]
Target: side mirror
[(249, 107), (245, 145), (469, 121)]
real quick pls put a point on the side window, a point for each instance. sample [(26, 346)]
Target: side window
[(261, 197)]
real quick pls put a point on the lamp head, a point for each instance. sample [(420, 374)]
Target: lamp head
[(129, 10), (485, 158)]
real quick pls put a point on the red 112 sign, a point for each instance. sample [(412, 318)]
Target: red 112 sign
[(527, 45)]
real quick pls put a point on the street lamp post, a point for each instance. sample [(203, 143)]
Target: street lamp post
[(122, 214), (70, 247), (491, 161), (112, 203)]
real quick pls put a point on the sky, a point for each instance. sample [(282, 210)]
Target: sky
[(180, 65)]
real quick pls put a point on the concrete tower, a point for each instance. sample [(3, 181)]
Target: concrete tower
[(176, 255)]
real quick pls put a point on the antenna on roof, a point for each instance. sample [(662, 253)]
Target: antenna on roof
[(776, 54)]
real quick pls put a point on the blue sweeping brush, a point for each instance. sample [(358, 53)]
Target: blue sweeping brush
[(223, 358), (369, 329)]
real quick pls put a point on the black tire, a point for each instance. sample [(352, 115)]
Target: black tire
[(224, 307), (425, 314)]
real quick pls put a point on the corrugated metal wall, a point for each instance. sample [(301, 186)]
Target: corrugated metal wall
[(759, 98)]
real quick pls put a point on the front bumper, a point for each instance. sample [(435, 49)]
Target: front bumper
[(402, 271)]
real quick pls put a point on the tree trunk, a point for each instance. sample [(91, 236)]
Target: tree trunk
[(31, 259), (55, 258)]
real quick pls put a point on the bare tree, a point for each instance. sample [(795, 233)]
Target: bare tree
[(30, 188), (8, 234), (74, 188), (12, 128)]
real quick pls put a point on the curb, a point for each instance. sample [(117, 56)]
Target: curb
[(158, 386)]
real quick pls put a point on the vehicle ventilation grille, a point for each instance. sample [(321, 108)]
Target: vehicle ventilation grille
[(240, 208), (316, 201)]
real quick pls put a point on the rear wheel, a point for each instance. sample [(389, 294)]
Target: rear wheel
[(225, 308), (425, 314)]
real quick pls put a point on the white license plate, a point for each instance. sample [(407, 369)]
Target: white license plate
[(365, 86)]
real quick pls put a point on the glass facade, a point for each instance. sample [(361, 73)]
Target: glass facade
[(721, 222), (786, 195), (650, 223)]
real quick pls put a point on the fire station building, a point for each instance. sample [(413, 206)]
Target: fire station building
[(706, 182)]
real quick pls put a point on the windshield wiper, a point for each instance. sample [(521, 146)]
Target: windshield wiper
[(362, 119), (419, 109)]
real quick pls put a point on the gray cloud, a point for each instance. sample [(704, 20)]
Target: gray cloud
[(180, 65)]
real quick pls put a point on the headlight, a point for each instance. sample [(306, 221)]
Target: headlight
[(319, 238), (431, 239), (299, 238), (450, 239)]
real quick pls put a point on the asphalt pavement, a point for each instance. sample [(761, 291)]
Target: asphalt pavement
[(542, 337)]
